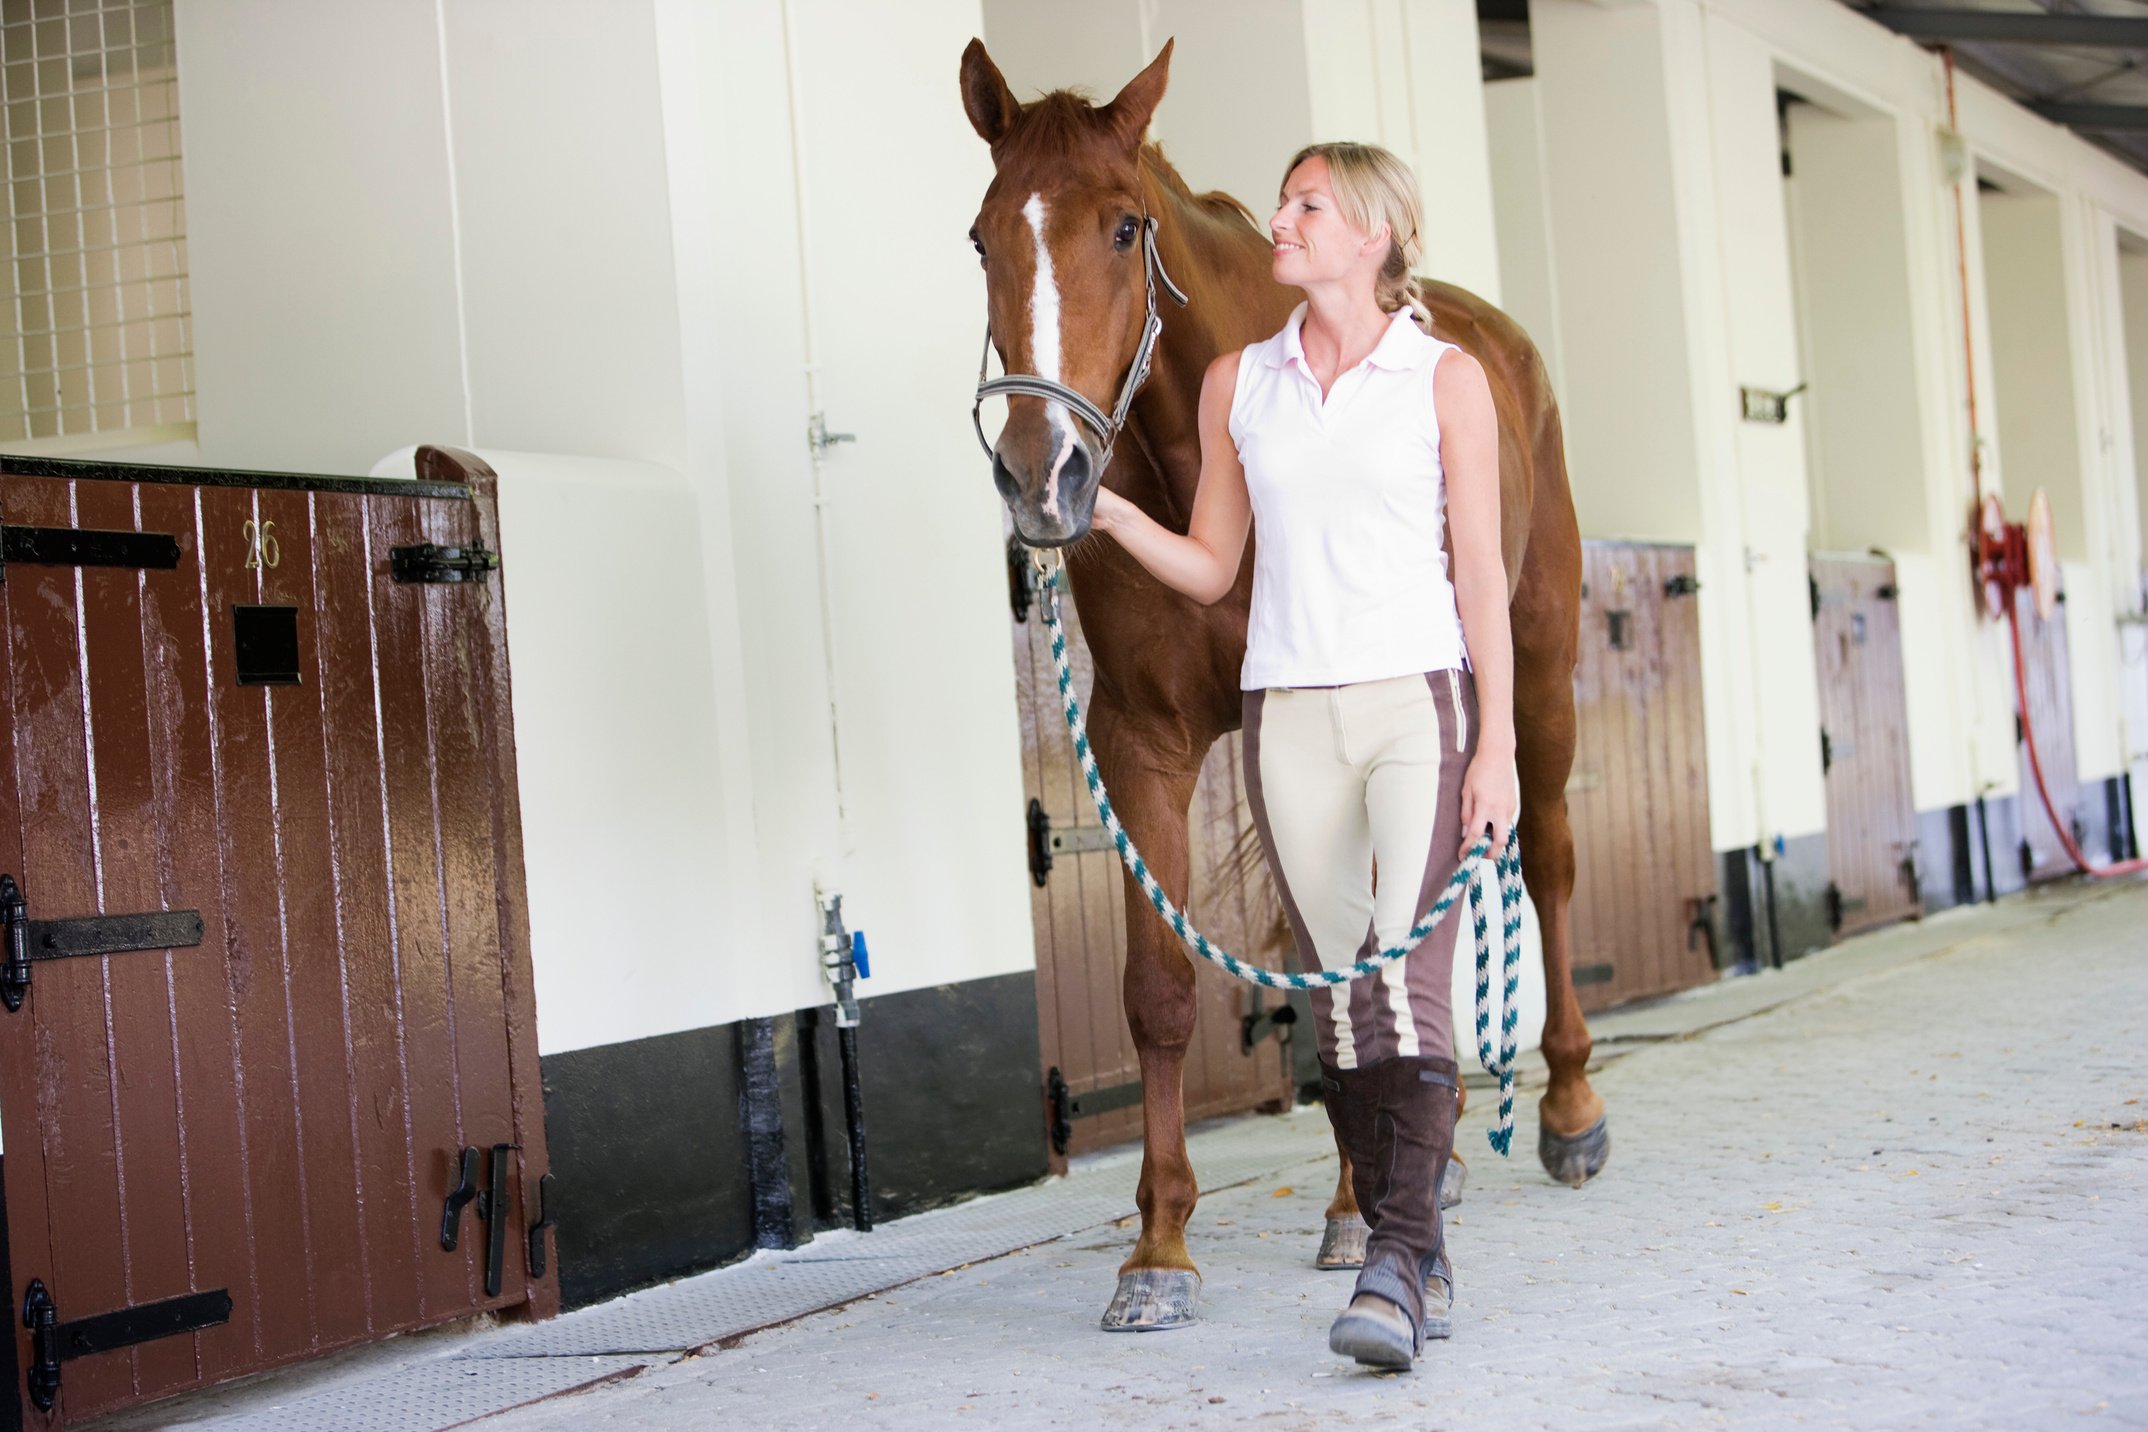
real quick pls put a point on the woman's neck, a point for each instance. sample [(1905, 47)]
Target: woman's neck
[(1342, 325)]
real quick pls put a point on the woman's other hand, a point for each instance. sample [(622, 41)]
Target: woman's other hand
[(1491, 797)]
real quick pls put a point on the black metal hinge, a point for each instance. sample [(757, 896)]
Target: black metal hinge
[(1827, 752), (1834, 906), (1045, 842), (1685, 584), (86, 547), (27, 939), (1813, 585), (53, 1342), (1261, 1023), (431, 562), (1063, 1106), (1702, 924)]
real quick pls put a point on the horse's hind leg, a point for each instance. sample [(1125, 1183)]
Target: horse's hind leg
[(1573, 1139), (1158, 1284), (1342, 1242)]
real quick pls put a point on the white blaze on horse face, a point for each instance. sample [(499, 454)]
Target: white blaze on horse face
[(1044, 347), (1043, 299)]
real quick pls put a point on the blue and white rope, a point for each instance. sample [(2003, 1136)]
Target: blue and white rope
[(1506, 866)]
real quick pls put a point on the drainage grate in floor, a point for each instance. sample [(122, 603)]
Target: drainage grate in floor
[(422, 1398)]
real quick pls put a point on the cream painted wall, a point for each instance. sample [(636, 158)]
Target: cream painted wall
[(320, 227), (2033, 358), (1752, 340), (932, 858), (1514, 141), (1619, 283), (539, 245), (2133, 297), (568, 295), (1853, 260)]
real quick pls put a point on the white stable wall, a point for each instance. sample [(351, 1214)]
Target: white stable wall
[(1671, 282), (1866, 437), (2133, 299), (1514, 143), (572, 233), (2032, 358)]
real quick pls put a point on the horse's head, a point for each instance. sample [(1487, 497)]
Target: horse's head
[(1060, 236)]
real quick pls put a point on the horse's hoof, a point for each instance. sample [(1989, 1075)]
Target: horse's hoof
[(1153, 1300), (1451, 1180), (1575, 1161), (1343, 1244)]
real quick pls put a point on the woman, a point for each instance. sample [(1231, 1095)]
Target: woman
[(1379, 723)]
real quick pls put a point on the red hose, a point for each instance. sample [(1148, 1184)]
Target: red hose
[(2036, 765)]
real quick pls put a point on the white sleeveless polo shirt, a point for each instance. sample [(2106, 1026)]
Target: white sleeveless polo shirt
[(1350, 579)]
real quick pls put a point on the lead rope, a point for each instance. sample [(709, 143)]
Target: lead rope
[(1506, 865)]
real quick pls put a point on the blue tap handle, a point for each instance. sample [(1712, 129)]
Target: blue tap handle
[(860, 956)]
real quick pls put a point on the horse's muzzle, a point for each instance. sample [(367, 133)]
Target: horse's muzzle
[(1053, 509)]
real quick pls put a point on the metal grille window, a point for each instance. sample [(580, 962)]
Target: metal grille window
[(95, 259)]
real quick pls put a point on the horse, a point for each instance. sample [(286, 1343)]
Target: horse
[(1081, 219)]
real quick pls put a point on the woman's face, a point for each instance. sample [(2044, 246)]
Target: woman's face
[(1313, 242)]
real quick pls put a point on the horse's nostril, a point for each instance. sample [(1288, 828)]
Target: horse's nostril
[(1002, 479)]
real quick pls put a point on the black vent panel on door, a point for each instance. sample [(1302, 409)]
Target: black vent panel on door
[(265, 640)]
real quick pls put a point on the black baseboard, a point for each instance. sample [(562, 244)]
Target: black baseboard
[(951, 1078), (654, 1160), (649, 1159)]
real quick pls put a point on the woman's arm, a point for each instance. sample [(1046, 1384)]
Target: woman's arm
[(1469, 453), (1203, 564)]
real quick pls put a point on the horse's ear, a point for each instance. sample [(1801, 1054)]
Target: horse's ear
[(992, 107), (1135, 105)]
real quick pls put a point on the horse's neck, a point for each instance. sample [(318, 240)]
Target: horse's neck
[(1222, 265)]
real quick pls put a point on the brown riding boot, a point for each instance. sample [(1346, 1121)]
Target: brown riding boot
[(1397, 1121)]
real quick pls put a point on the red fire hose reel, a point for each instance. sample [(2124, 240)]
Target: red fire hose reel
[(2010, 557)]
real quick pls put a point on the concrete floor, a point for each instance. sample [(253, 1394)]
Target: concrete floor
[(1902, 1184)]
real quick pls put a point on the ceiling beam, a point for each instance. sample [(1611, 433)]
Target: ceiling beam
[(2099, 31), (2095, 116)]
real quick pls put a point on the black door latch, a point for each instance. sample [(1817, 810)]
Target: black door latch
[(431, 562), (492, 1205)]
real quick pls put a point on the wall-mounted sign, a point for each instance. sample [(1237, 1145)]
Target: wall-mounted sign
[(1761, 406)]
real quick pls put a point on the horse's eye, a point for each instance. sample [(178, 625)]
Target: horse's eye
[(977, 244), (1129, 230)]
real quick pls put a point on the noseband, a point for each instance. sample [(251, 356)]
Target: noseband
[(1035, 385)]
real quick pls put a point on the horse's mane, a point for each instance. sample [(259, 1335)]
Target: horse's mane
[(1067, 119), (1214, 201)]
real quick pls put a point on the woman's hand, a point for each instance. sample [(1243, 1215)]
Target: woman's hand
[(1491, 796), (1111, 511)]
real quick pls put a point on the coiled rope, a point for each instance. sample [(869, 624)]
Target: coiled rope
[(1506, 867)]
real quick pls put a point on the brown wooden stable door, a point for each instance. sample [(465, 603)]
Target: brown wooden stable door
[(1864, 743), (1638, 797), (2047, 674), (1092, 1081), (232, 1129)]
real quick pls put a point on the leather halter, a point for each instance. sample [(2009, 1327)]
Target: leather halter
[(1035, 385)]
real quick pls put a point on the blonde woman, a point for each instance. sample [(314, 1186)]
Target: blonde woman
[(1378, 680)]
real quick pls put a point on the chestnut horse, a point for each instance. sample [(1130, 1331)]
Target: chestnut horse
[(1058, 234)]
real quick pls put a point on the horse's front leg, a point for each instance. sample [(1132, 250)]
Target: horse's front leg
[(1158, 1284)]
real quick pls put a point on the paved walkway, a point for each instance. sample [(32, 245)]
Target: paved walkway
[(1903, 1184)]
